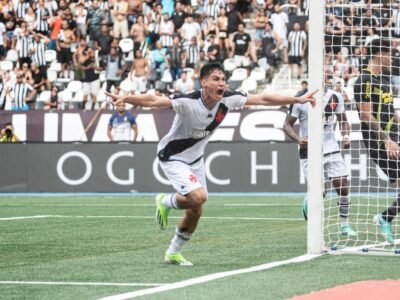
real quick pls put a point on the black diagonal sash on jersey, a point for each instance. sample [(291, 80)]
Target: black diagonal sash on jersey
[(178, 146)]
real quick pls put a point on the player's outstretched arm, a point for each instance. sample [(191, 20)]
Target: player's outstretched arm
[(275, 99), (141, 100)]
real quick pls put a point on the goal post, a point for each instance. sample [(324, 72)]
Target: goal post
[(315, 129), (339, 58)]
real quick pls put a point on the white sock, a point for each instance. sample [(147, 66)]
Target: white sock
[(177, 242), (343, 221), (169, 201)]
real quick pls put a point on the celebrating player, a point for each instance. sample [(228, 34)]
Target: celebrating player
[(334, 166), (380, 123), (181, 151)]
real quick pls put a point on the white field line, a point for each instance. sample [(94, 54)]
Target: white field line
[(147, 217), (208, 278), (78, 283), (261, 204)]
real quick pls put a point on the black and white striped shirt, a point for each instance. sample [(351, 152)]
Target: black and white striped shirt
[(23, 45), (2, 96), (396, 22), (41, 24), (39, 50), (297, 41), (212, 10), (193, 53), (20, 92), (164, 30), (20, 9)]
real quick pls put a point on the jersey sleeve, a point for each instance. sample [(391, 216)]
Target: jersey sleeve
[(131, 118), (234, 99), (110, 122), (179, 105)]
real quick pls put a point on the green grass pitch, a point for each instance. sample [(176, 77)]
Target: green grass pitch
[(111, 240)]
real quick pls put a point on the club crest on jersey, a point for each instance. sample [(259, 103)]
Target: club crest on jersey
[(219, 116), (199, 133), (192, 178)]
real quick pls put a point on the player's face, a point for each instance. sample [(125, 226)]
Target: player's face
[(215, 85), (121, 107)]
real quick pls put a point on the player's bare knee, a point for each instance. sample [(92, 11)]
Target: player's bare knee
[(198, 197)]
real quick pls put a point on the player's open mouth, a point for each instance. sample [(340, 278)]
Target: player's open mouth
[(220, 92)]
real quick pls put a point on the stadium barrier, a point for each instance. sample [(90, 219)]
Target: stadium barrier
[(125, 167)]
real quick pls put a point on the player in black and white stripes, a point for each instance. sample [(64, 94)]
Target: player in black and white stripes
[(180, 152), (42, 16), (21, 94), (297, 45)]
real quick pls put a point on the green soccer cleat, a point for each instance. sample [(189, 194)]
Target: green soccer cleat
[(161, 212), (305, 208), (385, 228), (176, 259), (347, 230)]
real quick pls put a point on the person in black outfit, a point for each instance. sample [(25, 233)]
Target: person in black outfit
[(380, 123)]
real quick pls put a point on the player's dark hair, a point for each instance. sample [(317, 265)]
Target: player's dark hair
[(209, 68), (379, 45)]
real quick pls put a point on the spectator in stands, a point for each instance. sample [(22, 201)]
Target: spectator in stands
[(42, 17), (21, 94), (178, 16), (241, 47), (184, 84), (395, 78), (234, 19), (53, 103), (72, 25), (159, 58), (119, 13), (55, 24), (20, 9), (176, 55), (334, 31), (139, 72), (115, 67), (259, 24), (2, 93), (342, 70), (355, 59), (38, 80), (139, 30), (80, 15), (190, 29), (121, 125), (29, 18), (280, 20), (38, 52), (64, 55), (79, 57), (192, 54), (166, 31), (222, 25), (270, 45), (91, 82), (103, 41), (3, 40), (95, 16), (297, 46), (371, 35), (23, 40), (135, 9), (213, 50)]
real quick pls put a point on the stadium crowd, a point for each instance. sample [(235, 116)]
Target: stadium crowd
[(66, 54)]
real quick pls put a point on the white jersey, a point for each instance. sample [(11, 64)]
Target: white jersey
[(333, 104), (194, 124)]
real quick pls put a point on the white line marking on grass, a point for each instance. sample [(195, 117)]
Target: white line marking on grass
[(88, 204), (207, 278), (79, 283), (260, 204), (149, 217)]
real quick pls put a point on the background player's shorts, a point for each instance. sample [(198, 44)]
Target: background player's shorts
[(389, 166), (183, 177), (295, 60), (334, 166)]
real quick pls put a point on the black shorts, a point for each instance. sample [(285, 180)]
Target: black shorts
[(64, 56), (389, 166), (295, 60)]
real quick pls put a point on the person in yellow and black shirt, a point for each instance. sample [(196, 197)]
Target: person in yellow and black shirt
[(7, 134), (379, 123)]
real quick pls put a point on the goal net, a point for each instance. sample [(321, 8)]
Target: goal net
[(364, 80)]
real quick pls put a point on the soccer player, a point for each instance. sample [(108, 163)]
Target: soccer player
[(180, 152), (334, 166), (380, 123)]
